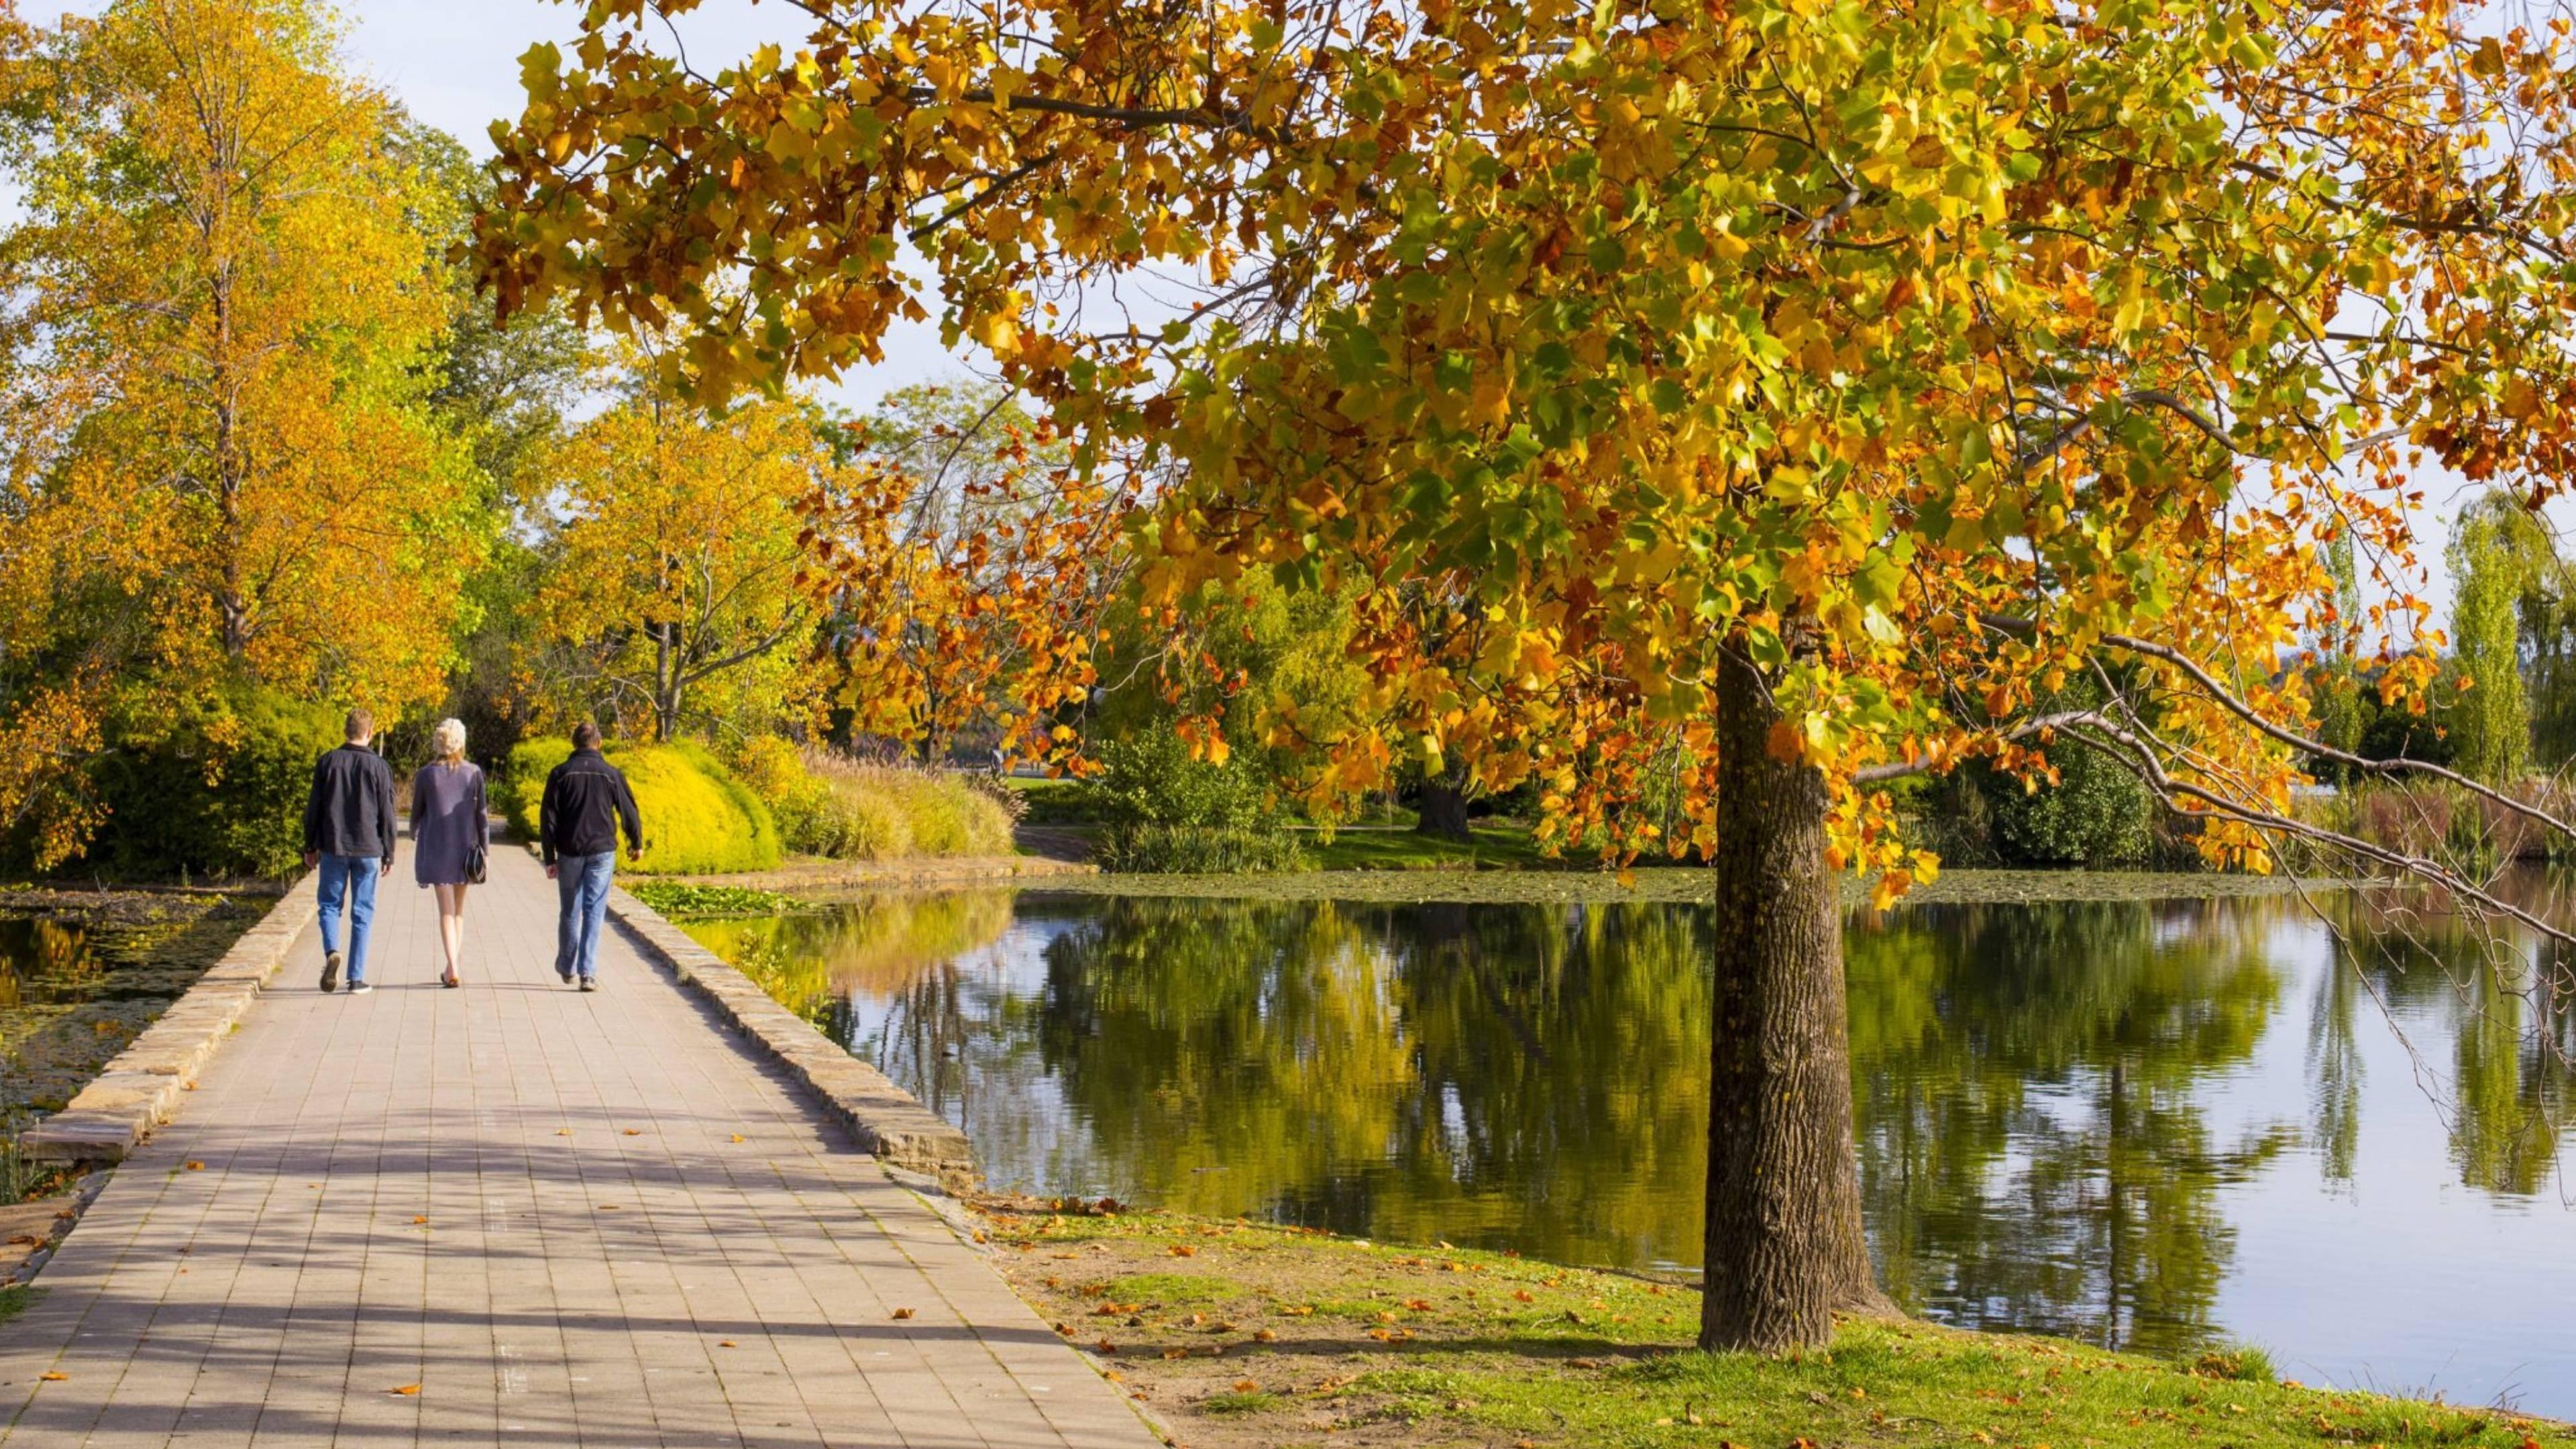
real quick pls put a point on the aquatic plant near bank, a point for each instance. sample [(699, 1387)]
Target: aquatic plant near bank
[(1146, 848)]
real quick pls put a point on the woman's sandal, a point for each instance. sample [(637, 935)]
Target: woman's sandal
[(450, 980)]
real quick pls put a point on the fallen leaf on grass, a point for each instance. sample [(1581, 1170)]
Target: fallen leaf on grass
[(903, 1313), (1297, 1312), (1184, 1250), (1524, 1295), (1418, 1305), (1105, 1346), (1176, 1353), (1264, 1336), (25, 1240), (1246, 1386), (406, 1390)]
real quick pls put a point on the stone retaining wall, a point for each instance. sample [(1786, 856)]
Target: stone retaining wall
[(889, 1122), (141, 1087)]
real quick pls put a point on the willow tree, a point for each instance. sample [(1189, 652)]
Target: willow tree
[(1779, 395), (222, 296), (2498, 554)]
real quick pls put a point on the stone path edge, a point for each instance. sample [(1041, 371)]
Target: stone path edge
[(140, 1088), (889, 1122)]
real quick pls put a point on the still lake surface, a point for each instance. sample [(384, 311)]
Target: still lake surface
[(2159, 1125)]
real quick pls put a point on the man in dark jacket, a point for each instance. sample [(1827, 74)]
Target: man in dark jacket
[(585, 804), (349, 833)]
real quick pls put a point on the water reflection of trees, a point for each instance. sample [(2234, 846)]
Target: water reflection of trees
[(2027, 1082), (2030, 1081), (2483, 997)]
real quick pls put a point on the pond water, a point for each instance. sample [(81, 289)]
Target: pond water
[(2159, 1125)]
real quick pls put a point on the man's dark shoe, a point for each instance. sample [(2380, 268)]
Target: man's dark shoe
[(566, 975), (590, 983), (359, 988), (330, 972)]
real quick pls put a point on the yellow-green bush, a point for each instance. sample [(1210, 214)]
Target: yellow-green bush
[(698, 819), (831, 805)]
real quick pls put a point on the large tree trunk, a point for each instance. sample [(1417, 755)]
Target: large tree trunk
[(1444, 810), (1784, 1245)]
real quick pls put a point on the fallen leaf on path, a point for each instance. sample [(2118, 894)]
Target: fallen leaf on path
[(738, 1137), (418, 1219), (53, 1378), (196, 1167), (563, 1132), (728, 1343), (903, 1313), (406, 1390), (634, 1131)]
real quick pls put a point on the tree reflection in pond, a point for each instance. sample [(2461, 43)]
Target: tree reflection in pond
[(2064, 1110)]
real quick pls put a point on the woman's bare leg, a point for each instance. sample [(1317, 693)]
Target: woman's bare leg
[(451, 924)]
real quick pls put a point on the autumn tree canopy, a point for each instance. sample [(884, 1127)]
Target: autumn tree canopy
[(1781, 395), (672, 585), (219, 463)]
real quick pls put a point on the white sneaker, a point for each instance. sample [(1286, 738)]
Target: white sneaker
[(361, 988)]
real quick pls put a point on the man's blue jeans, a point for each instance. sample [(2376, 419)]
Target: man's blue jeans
[(581, 884), (353, 878)]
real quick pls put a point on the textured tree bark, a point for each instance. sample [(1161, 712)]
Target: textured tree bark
[(1784, 1247)]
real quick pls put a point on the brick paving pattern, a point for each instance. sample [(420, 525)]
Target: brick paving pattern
[(567, 1219)]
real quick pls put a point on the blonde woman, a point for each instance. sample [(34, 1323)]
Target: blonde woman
[(449, 834)]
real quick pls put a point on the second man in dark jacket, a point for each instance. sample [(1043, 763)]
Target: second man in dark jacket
[(585, 805)]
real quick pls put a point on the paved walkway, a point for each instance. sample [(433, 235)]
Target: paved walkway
[(515, 1214)]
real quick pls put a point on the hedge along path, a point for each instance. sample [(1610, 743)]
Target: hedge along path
[(518, 1214)]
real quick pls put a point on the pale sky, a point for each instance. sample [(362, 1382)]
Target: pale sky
[(455, 65)]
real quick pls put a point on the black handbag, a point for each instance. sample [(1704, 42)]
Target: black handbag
[(478, 859)]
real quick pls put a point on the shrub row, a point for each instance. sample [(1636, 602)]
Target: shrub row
[(698, 819), (831, 805)]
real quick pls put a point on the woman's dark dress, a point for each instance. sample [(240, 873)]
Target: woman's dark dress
[(447, 821)]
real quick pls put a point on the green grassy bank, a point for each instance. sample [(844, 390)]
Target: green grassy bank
[(1234, 1335)]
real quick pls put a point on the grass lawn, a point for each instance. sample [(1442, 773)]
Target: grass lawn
[(1491, 847), (14, 1301), (1233, 1335)]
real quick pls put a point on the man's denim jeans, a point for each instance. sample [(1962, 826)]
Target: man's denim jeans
[(581, 884), (352, 877)]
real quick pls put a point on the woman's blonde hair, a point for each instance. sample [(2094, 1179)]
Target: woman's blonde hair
[(448, 741)]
